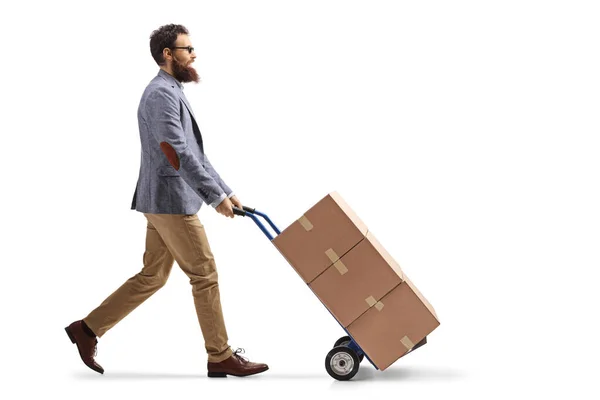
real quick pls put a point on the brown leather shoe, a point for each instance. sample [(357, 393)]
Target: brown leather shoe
[(85, 344), (235, 365)]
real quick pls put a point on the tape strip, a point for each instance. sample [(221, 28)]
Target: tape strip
[(407, 343), (305, 223), (332, 255), (340, 267), (371, 301), (379, 306)]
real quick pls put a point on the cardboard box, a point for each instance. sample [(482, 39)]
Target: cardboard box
[(320, 237), (358, 281), (388, 332)]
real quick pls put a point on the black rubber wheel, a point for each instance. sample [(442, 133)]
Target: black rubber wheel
[(342, 363), (345, 341)]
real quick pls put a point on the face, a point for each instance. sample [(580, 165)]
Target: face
[(182, 59)]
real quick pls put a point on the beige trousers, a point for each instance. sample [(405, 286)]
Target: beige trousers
[(169, 238)]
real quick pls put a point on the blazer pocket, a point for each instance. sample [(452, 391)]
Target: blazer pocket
[(167, 170)]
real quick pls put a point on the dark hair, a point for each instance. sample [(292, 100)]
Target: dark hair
[(165, 36)]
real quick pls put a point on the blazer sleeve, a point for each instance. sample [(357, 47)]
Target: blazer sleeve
[(162, 109)]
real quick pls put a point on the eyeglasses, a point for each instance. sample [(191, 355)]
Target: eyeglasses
[(190, 49)]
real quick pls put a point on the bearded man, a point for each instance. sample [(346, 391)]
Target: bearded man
[(175, 180)]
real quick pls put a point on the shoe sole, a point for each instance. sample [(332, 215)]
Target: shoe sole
[(224, 374), (72, 338)]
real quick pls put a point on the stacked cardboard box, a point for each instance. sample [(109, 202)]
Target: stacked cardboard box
[(358, 281)]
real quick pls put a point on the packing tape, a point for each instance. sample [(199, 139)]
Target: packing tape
[(379, 306), (407, 343), (371, 301), (337, 263), (305, 223), (340, 267), (332, 255)]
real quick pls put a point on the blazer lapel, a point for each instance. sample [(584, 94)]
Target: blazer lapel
[(194, 123), (182, 96), (172, 82)]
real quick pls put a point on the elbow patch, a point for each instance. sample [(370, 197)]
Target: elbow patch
[(171, 154)]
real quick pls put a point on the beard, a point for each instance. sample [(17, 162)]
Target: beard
[(184, 73)]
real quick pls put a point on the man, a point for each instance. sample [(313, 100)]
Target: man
[(175, 179)]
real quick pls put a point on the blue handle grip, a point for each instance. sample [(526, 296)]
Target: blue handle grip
[(252, 213)]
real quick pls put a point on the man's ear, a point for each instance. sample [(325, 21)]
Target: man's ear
[(167, 53)]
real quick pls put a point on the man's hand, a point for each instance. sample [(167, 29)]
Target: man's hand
[(236, 202), (225, 208)]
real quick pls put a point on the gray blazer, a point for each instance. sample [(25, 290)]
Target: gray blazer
[(175, 175)]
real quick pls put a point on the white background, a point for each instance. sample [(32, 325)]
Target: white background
[(463, 133)]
